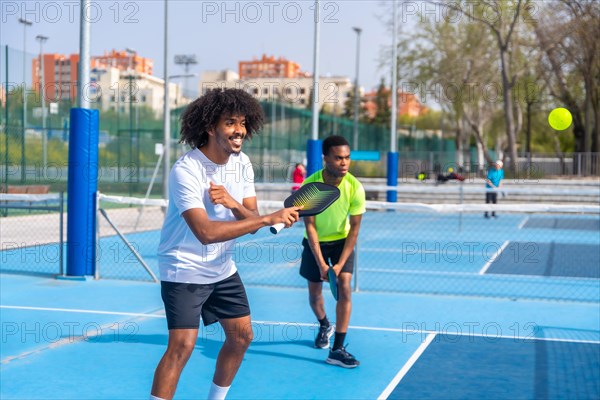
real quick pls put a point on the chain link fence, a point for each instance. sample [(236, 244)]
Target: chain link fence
[(523, 251)]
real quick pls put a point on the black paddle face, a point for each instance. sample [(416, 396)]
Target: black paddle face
[(315, 197), (332, 283)]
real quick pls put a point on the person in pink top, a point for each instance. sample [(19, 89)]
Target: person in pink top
[(298, 176)]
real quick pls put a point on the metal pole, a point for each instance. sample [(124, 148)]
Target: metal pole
[(166, 111), (129, 246), (42, 39), (97, 269), (61, 228), (130, 77), (6, 121), (392, 161), (315, 99), (25, 23), (356, 91), (393, 131), (84, 55)]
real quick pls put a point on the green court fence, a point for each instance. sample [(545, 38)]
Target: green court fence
[(34, 147)]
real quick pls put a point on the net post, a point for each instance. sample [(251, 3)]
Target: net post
[(81, 192)]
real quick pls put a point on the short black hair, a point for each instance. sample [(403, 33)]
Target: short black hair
[(333, 141), (205, 112)]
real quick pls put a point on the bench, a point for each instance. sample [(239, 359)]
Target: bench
[(26, 189)]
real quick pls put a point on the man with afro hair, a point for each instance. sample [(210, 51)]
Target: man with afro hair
[(212, 201)]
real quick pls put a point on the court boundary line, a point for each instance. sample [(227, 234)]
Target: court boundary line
[(493, 258), (406, 367), (522, 224), (416, 271), (309, 324)]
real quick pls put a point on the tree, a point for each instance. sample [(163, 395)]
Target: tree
[(502, 22), (568, 33), (382, 102)]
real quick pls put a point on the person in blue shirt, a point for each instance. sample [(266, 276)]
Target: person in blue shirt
[(493, 181)]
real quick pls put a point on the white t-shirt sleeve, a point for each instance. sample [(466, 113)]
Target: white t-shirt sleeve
[(187, 189), (248, 178)]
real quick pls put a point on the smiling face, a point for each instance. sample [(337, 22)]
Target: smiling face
[(337, 161), (229, 134)]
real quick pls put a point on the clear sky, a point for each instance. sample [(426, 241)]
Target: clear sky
[(219, 33)]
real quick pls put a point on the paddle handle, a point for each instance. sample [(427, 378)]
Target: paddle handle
[(276, 228)]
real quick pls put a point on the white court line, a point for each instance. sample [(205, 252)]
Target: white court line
[(406, 367), (522, 224), (416, 271), (407, 251), (74, 310), (411, 330), (493, 258)]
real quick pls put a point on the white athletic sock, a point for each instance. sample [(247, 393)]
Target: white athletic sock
[(217, 392), (155, 398)]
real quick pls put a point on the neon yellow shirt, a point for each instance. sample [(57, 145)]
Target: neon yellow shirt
[(333, 223)]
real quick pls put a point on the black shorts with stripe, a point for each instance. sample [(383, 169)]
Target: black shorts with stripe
[(186, 302)]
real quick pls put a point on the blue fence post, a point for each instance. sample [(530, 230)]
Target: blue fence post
[(314, 151), (392, 176), (81, 190)]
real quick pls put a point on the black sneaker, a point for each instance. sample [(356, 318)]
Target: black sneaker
[(342, 358), (322, 339)]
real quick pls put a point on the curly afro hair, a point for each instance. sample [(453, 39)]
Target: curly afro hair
[(205, 112)]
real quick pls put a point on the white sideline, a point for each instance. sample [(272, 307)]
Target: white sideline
[(493, 258), (406, 367)]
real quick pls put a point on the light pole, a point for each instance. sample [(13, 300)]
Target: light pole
[(184, 76), (314, 161), (25, 23), (131, 77), (186, 60), (84, 55), (356, 91), (42, 39), (133, 54), (392, 161), (166, 108)]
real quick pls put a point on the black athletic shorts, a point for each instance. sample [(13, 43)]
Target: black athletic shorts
[(309, 269), (185, 302)]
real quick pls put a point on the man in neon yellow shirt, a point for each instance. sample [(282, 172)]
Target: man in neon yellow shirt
[(330, 238)]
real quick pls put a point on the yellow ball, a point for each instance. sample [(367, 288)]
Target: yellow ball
[(560, 119)]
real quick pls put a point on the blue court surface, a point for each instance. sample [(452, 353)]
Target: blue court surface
[(446, 307), (103, 339)]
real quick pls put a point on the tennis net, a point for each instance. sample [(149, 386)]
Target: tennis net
[(526, 251), (32, 233)]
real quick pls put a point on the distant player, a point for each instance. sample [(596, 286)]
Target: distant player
[(493, 181)]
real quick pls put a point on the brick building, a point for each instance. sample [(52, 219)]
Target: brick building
[(269, 67)]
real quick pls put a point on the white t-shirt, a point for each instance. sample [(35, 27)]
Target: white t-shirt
[(181, 256)]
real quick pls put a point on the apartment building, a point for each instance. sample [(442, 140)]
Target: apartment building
[(115, 79), (332, 94), (407, 104), (268, 67)]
